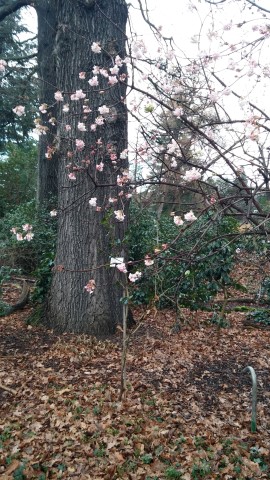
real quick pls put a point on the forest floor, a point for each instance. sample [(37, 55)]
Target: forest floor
[(186, 415)]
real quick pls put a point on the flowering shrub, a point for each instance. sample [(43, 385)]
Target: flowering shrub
[(185, 273)]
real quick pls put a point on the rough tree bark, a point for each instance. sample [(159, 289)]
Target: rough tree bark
[(47, 185), (86, 238)]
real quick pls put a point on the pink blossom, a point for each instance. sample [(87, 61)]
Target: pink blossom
[(100, 167), (95, 47), (93, 82), (121, 267), (112, 80), (79, 144), (103, 110), (190, 217), (27, 227), (192, 175), (29, 236), (68, 128), (82, 75), (93, 127), (95, 70), (124, 154), (93, 202), (104, 72), (118, 61), (3, 65), (14, 230), (19, 110), (86, 109), (90, 286), (148, 261), (81, 127), (119, 215), (43, 108), (98, 209), (53, 213), (112, 200), (133, 277), (178, 112), (58, 96), (99, 121), (178, 221), (173, 163), (114, 70), (66, 108), (78, 95), (19, 237), (71, 176)]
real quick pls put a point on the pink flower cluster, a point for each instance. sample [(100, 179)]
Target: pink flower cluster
[(90, 286), (26, 228)]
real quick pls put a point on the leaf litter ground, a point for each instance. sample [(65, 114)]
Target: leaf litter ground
[(186, 414)]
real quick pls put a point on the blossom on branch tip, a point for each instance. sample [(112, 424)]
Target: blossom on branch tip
[(112, 80), (82, 75), (81, 127), (178, 221), (148, 261), (58, 96), (72, 176), (190, 217), (29, 236), (27, 227), (19, 110), (53, 213), (78, 95), (43, 108), (100, 167), (90, 286), (121, 267), (3, 65), (119, 215), (133, 277), (95, 47), (93, 82), (103, 110), (192, 175), (79, 144), (93, 202), (178, 112)]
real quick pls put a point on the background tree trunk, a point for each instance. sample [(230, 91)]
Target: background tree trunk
[(47, 187), (87, 238)]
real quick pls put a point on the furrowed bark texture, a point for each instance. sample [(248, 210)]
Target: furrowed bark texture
[(87, 238), (47, 187)]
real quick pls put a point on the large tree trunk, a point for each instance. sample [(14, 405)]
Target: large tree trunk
[(47, 187), (87, 238)]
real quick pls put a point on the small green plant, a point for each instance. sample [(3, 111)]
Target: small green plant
[(100, 452), (147, 458), (199, 442), (258, 457), (259, 316), (200, 470), (219, 320), (172, 473), (18, 474)]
